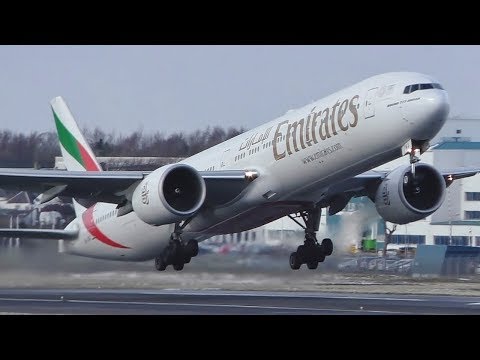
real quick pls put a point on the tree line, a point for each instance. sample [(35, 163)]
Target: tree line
[(39, 149)]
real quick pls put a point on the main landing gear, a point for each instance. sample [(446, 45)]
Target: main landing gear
[(177, 253), (311, 252)]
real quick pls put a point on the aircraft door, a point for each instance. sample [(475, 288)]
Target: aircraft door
[(370, 103)]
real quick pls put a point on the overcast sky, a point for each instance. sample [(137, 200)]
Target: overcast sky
[(183, 88)]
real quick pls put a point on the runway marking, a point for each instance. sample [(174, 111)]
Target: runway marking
[(348, 297), (475, 303), (38, 300), (371, 298), (15, 313), (203, 305), (232, 306)]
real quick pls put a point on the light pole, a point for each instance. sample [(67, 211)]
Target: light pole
[(451, 227), (450, 237), (37, 148)]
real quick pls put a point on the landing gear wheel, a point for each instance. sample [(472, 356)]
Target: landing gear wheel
[(300, 254), (294, 263), (327, 246), (187, 259), (160, 264), (178, 266), (312, 265), (192, 248)]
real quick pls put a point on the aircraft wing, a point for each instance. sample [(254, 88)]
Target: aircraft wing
[(365, 184), (111, 186), (51, 234), (459, 173), (448, 174)]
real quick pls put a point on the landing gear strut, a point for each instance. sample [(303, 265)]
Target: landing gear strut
[(176, 253), (311, 252), (414, 154), (414, 158)]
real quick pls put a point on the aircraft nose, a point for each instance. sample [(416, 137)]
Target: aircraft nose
[(427, 114), (437, 107)]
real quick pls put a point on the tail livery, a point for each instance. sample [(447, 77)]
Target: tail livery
[(77, 154)]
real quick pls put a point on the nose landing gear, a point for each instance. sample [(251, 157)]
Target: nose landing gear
[(414, 158)]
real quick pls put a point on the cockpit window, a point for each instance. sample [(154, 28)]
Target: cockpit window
[(411, 88), (426, 86)]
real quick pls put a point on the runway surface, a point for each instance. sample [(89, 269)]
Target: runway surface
[(183, 302)]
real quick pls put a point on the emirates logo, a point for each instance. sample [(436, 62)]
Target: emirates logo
[(144, 194)]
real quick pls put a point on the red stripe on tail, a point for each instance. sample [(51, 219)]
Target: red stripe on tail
[(88, 162)]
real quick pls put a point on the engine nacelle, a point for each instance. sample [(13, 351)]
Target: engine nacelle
[(401, 199), (169, 194)]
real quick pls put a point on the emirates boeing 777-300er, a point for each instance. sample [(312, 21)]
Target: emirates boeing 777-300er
[(318, 156)]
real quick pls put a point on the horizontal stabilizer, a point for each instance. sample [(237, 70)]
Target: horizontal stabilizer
[(50, 234)]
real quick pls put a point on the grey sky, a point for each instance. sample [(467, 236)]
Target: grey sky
[(183, 88)]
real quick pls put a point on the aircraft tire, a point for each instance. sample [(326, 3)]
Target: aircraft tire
[(327, 246), (301, 252), (160, 265), (294, 261), (192, 248), (178, 266)]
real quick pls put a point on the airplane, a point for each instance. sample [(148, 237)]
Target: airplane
[(312, 158)]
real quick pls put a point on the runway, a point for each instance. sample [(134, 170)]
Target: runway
[(183, 302)]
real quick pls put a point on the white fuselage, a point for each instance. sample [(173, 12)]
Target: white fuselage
[(298, 156)]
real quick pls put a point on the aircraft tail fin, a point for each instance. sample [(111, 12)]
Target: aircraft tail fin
[(77, 154)]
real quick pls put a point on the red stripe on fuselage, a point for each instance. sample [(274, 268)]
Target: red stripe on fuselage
[(92, 228)]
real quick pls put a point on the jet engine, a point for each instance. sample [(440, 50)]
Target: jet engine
[(169, 194), (402, 198)]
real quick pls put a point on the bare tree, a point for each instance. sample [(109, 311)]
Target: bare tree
[(39, 150), (388, 237)]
